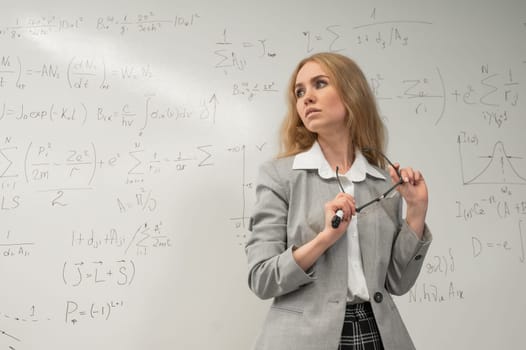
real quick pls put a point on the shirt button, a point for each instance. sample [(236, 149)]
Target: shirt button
[(378, 297), (418, 257)]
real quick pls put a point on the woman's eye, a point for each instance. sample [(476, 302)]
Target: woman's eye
[(299, 93), (321, 84)]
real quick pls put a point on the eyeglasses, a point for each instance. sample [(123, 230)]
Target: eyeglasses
[(383, 195)]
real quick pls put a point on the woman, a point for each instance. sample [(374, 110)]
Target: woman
[(332, 285)]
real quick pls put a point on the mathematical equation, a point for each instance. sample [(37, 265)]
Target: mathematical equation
[(120, 272), (250, 90), (79, 73), (494, 206), (425, 95), (495, 96), (142, 241), (500, 246), (91, 311), (143, 200), (435, 293), (437, 266), (50, 165), (147, 22), (443, 264), (32, 315), (236, 55), (40, 25), (10, 246), (127, 116), (144, 22), (378, 32)]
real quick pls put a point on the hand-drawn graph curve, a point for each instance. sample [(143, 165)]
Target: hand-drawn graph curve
[(499, 169)]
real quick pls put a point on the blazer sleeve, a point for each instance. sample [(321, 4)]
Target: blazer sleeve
[(407, 257), (272, 270)]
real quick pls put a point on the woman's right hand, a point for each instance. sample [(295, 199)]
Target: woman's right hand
[(307, 254), (344, 202)]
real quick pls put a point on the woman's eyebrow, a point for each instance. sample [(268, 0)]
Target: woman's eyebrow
[(312, 79)]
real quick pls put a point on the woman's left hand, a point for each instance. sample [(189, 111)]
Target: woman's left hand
[(414, 191)]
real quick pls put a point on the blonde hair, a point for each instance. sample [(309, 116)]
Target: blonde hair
[(366, 129)]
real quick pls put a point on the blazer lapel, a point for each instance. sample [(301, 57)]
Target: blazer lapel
[(326, 190)]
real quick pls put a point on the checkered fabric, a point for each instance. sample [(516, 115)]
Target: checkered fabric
[(360, 331)]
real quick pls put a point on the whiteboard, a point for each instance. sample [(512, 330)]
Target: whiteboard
[(131, 135)]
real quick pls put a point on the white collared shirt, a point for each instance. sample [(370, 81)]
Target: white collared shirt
[(314, 159)]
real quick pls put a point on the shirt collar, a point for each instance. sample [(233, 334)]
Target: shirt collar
[(314, 159)]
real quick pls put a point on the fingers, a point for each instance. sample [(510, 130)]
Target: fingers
[(409, 175), (344, 202)]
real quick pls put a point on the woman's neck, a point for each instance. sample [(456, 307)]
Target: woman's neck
[(338, 153)]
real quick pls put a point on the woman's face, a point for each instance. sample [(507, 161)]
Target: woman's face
[(318, 103)]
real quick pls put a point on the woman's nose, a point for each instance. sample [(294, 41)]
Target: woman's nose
[(309, 97)]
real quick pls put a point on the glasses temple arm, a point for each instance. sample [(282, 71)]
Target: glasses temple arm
[(377, 199), (338, 179)]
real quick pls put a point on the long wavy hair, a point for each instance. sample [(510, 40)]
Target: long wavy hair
[(366, 129)]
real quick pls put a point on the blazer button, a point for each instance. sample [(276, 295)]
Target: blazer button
[(418, 257), (378, 297)]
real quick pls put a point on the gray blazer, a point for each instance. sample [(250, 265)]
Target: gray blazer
[(309, 308)]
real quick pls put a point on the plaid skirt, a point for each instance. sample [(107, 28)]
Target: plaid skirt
[(360, 331)]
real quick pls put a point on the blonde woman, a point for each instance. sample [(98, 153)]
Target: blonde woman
[(329, 242)]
